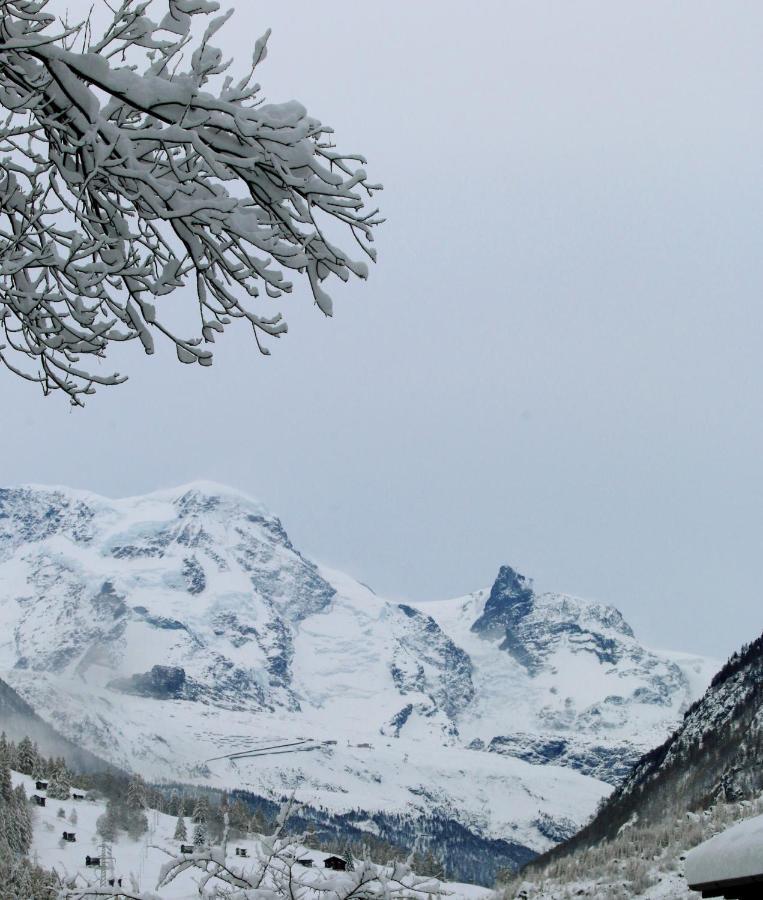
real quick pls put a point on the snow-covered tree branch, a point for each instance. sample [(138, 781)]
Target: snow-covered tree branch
[(135, 165)]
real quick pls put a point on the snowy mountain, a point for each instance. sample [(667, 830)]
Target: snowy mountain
[(169, 631), (706, 776)]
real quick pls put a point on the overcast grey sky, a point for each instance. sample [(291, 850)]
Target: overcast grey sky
[(557, 362)]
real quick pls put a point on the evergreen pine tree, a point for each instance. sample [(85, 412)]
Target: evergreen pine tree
[(6, 786), (59, 787), (174, 804), (26, 756), (259, 825), (136, 793), (200, 835), (181, 832), (8, 834), (23, 818), (22, 883), (106, 826), (201, 810), (348, 855), (137, 823), (40, 770)]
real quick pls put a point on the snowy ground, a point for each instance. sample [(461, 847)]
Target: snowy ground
[(139, 862)]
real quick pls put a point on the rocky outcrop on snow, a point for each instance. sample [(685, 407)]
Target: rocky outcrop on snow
[(426, 661), (161, 683), (607, 763), (530, 627), (560, 681), (504, 616)]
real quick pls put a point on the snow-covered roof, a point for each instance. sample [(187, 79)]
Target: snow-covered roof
[(734, 854)]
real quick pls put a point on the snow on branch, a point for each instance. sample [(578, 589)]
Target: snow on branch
[(136, 165)]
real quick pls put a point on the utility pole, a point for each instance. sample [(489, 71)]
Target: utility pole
[(107, 864)]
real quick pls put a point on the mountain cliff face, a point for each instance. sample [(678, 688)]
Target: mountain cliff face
[(172, 631), (514, 614)]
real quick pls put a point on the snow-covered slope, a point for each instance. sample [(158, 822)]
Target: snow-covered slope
[(139, 862), (167, 630)]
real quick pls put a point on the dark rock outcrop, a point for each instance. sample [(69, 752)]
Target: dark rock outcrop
[(161, 683), (606, 762)]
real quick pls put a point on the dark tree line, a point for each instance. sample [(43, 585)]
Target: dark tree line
[(26, 758), (20, 879)]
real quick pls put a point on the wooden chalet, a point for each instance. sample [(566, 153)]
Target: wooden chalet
[(242, 851), (69, 836), (305, 861), (92, 861), (76, 796), (186, 848), (40, 801), (336, 863), (41, 785)]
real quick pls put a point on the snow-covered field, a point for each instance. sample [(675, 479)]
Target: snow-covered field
[(139, 860), (139, 863)]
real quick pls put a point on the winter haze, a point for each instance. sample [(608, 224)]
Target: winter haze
[(556, 363)]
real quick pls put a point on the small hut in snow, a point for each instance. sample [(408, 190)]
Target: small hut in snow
[(336, 863)]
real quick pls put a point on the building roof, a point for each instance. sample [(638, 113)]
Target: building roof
[(733, 856)]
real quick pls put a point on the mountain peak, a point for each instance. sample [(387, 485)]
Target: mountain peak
[(198, 488), (511, 598), (510, 585), (200, 495)]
